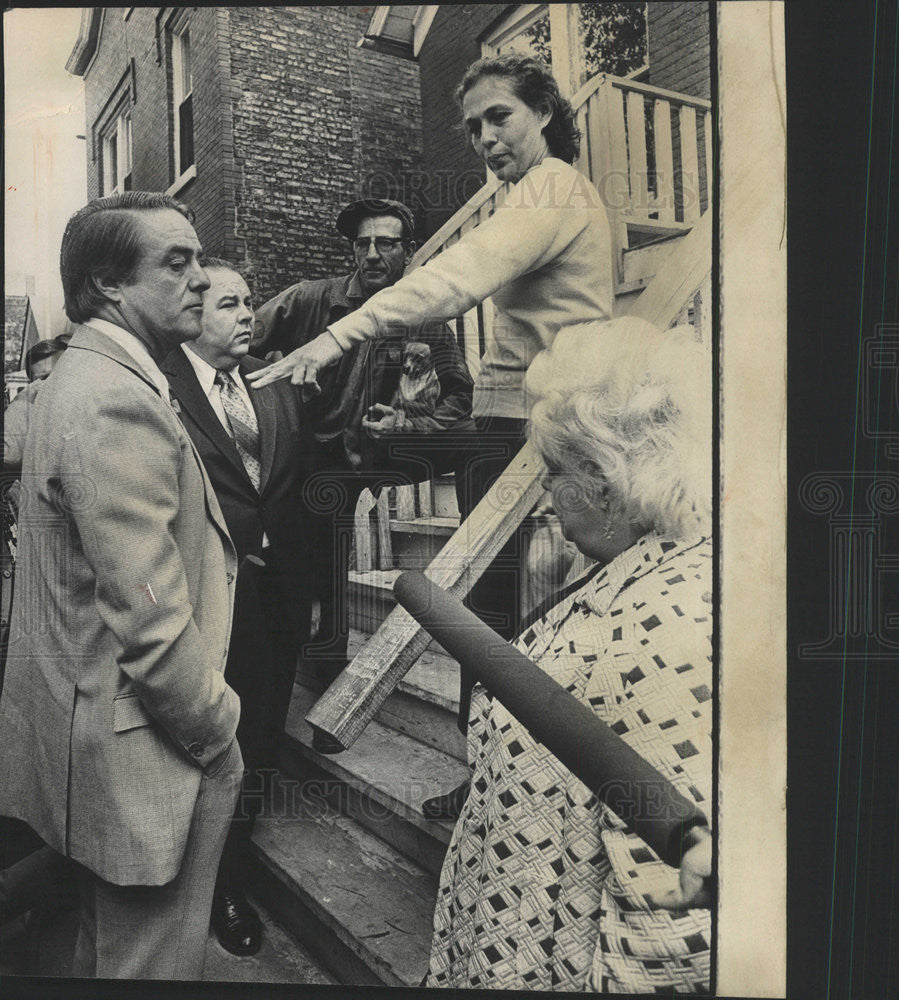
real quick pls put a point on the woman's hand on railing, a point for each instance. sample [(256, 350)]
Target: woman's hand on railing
[(301, 366), (694, 887)]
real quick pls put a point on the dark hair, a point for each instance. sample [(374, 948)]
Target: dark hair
[(39, 351), (534, 84), (102, 241), (372, 208)]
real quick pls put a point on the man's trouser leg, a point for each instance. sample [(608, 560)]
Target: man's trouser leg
[(327, 652), (262, 666), (160, 932)]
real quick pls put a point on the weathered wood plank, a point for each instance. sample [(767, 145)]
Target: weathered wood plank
[(352, 700), (584, 156), (472, 340), (405, 503), (385, 545), (362, 532), (689, 163), (666, 95), (636, 141), (664, 160), (423, 492), (613, 182)]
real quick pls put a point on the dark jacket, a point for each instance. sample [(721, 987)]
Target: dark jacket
[(287, 459), (303, 311)]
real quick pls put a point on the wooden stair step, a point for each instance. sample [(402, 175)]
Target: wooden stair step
[(441, 527), (380, 781), (359, 906)]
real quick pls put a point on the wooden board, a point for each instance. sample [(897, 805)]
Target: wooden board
[(351, 702)]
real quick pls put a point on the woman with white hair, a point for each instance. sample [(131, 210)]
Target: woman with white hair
[(543, 886)]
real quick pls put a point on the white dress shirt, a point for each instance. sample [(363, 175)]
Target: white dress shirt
[(206, 377)]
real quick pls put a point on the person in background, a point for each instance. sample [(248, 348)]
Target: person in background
[(545, 257), (40, 360), (258, 451), (368, 433), (117, 729), (34, 879), (543, 886)]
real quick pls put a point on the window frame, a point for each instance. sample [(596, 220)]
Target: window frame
[(120, 130), (179, 96), (566, 65), (115, 121)]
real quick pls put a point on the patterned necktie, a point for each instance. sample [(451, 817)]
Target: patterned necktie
[(244, 429)]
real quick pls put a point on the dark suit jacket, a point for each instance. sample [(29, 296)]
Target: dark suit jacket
[(287, 459)]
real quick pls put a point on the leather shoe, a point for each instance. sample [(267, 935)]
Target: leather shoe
[(236, 924), (447, 806)]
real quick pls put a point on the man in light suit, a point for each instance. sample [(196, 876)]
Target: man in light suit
[(258, 450), (117, 729)]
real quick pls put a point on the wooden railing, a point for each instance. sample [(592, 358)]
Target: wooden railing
[(348, 705), (649, 153)]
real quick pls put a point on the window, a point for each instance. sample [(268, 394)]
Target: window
[(182, 101), (116, 148), (576, 40), (527, 31)]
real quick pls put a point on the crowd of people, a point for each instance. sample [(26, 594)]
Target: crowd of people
[(188, 469)]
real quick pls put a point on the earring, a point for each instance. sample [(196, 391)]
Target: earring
[(609, 529)]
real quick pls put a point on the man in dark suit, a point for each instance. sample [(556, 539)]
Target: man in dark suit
[(117, 729), (258, 450)]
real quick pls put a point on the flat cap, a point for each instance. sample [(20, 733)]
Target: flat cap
[(350, 217)]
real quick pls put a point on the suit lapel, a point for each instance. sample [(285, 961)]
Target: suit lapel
[(189, 393), (88, 338), (263, 401)]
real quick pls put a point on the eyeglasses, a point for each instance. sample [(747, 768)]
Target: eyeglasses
[(383, 244)]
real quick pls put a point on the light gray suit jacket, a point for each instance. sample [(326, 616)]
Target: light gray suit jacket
[(114, 699)]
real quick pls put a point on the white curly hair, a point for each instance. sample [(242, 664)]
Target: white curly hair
[(629, 406)]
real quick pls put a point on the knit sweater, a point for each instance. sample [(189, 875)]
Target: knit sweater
[(545, 258)]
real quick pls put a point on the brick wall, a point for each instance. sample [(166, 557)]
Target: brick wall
[(317, 122), (452, 170), (679, 47), (291, 121), (144, 39)]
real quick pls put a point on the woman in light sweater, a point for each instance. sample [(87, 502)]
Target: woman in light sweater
[(544, 255), (545, 258)]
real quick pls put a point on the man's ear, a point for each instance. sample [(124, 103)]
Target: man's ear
[(108, 287), (410, 250)]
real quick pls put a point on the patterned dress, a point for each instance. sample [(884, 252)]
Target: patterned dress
[(543, 886)]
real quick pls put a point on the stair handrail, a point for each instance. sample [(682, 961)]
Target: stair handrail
[(672, 96), (352, 701)]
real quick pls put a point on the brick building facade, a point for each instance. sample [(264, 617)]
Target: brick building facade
[(290, 119)]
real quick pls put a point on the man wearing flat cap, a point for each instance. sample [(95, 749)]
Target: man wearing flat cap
[(365, 426)]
